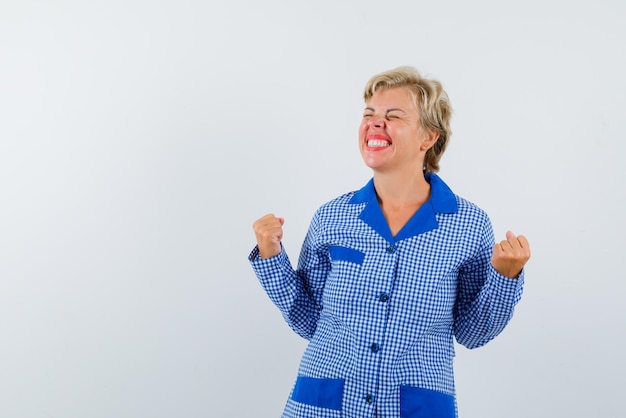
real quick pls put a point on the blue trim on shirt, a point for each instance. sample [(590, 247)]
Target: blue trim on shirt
[(323, 393), (441, 200), (338, 252), (418, 402)]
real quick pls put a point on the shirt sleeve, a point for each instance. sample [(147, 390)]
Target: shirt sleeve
[(297, 293), (485, 298)]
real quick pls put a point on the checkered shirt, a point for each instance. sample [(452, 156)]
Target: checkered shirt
[(381, 311)]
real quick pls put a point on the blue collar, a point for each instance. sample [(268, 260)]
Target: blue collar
[(441, 200)]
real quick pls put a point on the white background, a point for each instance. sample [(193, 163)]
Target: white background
[(139, 140)]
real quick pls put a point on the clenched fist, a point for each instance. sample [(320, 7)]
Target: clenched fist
[(510, 255), (269, 232)]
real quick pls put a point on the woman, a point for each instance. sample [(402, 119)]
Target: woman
[(388, 275)]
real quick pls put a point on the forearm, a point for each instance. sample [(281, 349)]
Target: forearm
[(482, 318), (287, 291)]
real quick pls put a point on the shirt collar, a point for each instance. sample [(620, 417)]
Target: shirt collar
[(441, 200)]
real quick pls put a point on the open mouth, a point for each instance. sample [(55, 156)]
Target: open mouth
[(378, 143)]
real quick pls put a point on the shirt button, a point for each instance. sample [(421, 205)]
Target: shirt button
[(383, 297), (391, 249), (375, 348), (369, 398)]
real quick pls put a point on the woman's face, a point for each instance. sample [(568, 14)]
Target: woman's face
[(390, 136)]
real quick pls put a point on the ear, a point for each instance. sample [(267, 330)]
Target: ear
[(430, 139)]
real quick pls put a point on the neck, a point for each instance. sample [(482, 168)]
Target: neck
[(401, 189)]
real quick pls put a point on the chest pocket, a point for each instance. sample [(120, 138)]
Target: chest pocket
[(344, 282), (339, 253)]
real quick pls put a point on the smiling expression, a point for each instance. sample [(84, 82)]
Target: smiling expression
[(391, 136)]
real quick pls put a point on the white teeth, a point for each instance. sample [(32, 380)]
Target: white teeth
[(374, 143)]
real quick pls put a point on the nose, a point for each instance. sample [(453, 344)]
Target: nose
[(377, 122)]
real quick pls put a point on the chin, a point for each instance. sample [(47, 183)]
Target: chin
[(374, 165)]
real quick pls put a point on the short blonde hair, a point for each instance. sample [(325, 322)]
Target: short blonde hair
[(431, 102)]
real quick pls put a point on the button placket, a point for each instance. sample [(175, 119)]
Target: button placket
[(383, 297)]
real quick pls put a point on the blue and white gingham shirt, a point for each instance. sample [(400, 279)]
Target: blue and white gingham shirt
[(381, 311)]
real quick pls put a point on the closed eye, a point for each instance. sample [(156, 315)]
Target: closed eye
[(395, 114)]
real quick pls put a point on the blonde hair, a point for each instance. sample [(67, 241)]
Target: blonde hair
[(431, 102)]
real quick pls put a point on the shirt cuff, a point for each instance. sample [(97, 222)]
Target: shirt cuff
[(266, 268), (255, 254), (508, 286)]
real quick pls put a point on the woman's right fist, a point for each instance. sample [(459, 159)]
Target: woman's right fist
[(269, 233)]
